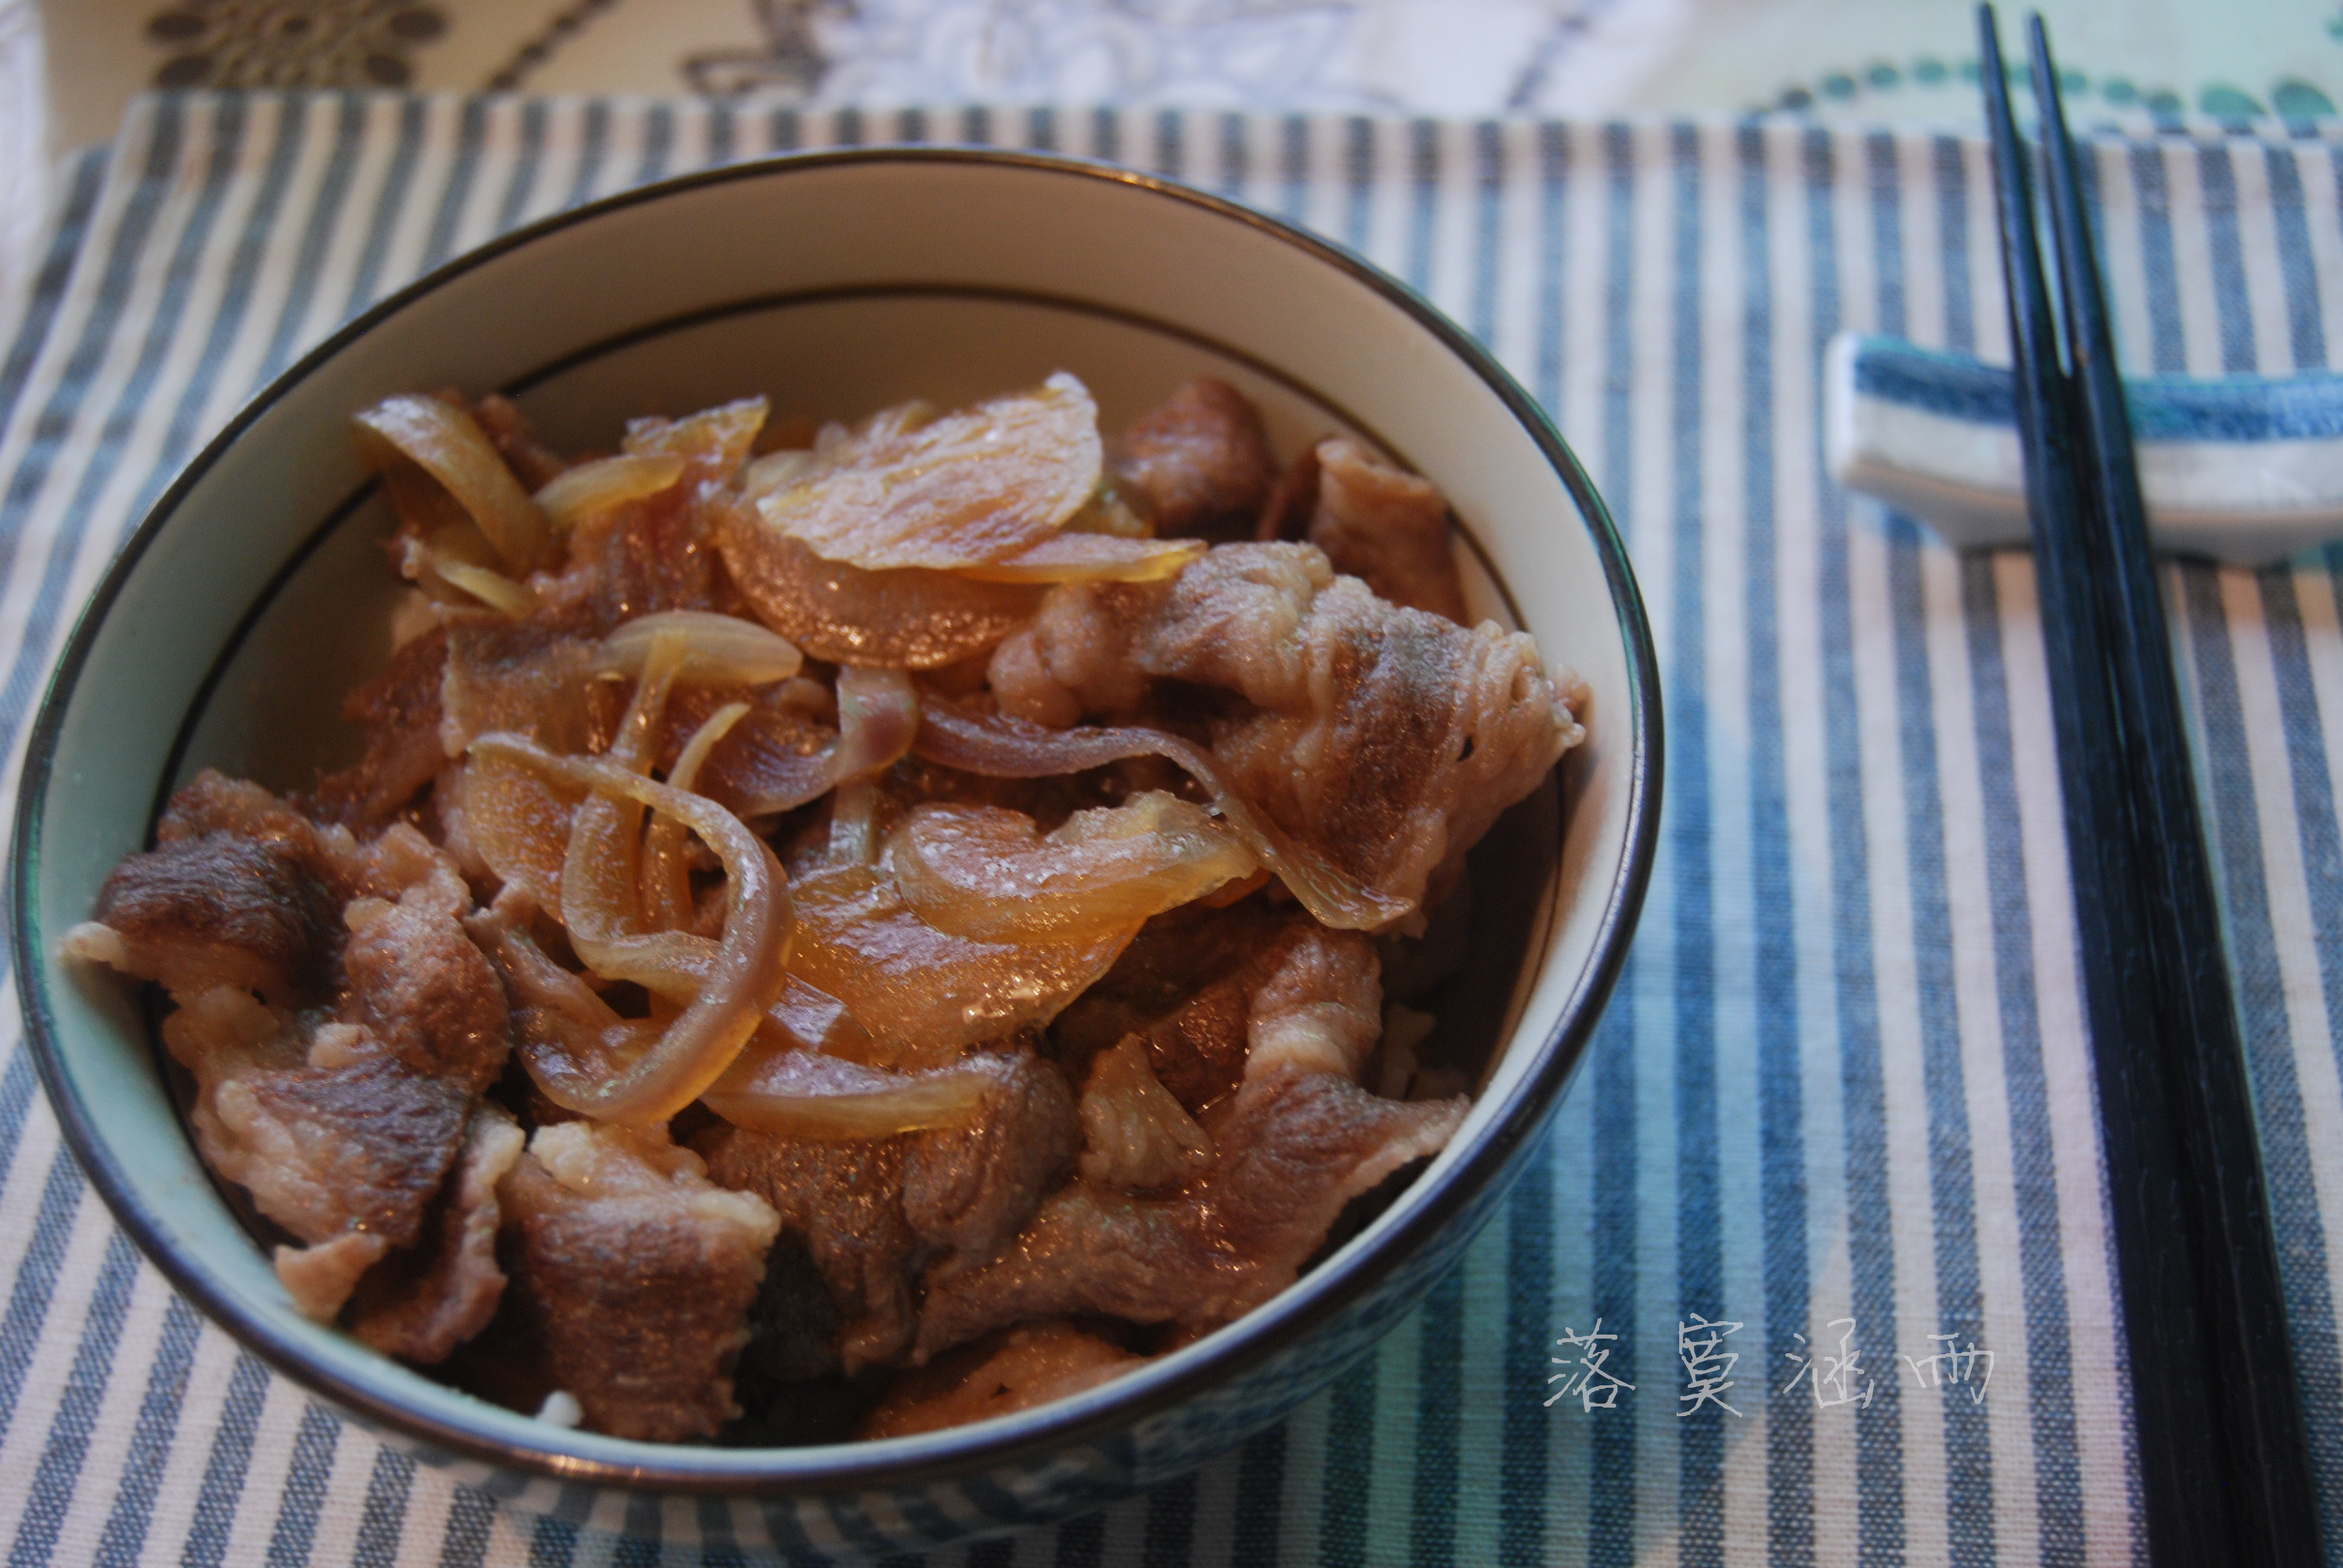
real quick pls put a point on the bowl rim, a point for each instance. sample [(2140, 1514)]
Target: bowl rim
[(1320, 1295)]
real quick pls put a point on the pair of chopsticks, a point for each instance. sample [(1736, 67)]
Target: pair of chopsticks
[(2224, 1469)]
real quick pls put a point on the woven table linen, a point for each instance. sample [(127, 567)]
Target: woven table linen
[(1841, 1101)]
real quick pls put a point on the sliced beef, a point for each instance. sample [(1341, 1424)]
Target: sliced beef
[(1297, 1142), (631, 1274), (1198, 465), (224, 909), (843, 1202), (359, 1145), (1286, 515), (1387, 739), (422, 1302), (793, 1326), (969, 1189), (1136, 1137), (1184, 986), (337, 1022), (1028, 1366), (415, 978), (534, 463), (1387, 527), (400, 711), (531, 676), (870, 1212), (654, 554), (1318, 1008), (1294, 1151), (212, 802), (334, 1140)]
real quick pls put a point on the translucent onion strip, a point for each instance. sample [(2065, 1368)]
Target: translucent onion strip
[(492, 588), (1071, 558), (667, 879), (816, 1020), (981, 871), (800, 1094), (745, 977), (878, 717), (575, 1040), (910, 619), (716, 441), (518, 823), (580, 493), (601, 875), (920, 990), (1005, 747), (450, 446), (717, 649), (981, 484)]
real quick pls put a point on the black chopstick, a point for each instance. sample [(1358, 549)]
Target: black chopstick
[(2225, 1472)]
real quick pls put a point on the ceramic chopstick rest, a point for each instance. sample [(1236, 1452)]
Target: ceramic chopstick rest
[(2244, 469)]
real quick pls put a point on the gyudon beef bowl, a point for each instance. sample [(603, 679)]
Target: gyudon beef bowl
[(907, 834)]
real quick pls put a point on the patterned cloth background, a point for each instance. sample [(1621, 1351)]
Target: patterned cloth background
[(1840, 1102), (68, 66)]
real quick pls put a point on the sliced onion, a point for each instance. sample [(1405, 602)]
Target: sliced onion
[(518, 823), (910, 619), (704, 740), (426, 511), (492, 588), (449, 444), (982, 484), (776, 471), (920, 990), (1001, 747), (577, 1037), (717, 649), (816, 1020), (581, 492), (785, 782), (716, 441), (878, 717), (744, 978), (666, 879), (773, 1089), (983, 871), (601, 874), (854, 824), (595, 1036), (1106, 512), (442, 553), (1073, 558)]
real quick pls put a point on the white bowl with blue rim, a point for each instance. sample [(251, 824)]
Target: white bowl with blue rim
[(253, 595)]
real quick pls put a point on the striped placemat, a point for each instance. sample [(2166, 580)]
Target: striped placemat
[(1841, 1102)]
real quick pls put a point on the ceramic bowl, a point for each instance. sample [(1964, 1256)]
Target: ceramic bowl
[(254, 595)]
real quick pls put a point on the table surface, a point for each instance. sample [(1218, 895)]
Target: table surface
[(1841, 1101)]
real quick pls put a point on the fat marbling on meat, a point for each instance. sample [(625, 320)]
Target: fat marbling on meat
[(338, 1023), (632, 1277), (870, 1212), (1296, 1143), (1388, 739)]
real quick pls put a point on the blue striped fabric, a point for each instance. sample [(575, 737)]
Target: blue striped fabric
[(1841, 1101)]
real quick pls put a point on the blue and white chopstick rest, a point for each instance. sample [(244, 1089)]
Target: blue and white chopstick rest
[(2244, 469)]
